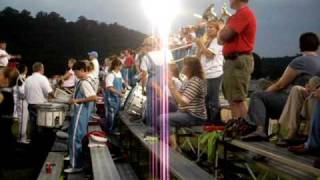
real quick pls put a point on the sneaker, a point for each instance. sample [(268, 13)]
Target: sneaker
[(73, 170), (66, 158), (255, 136), (26, 142), (62, 135)]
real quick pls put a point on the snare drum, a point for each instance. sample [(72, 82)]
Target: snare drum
[(135, 101), (51, 115), (124, 98)]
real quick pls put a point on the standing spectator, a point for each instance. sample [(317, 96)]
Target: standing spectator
[(210, 53), (4, 56), (37, 91), (238, 39)]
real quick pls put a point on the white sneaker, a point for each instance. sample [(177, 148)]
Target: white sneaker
[(62, 135), (24, 142), (66, 158), (73, 170)]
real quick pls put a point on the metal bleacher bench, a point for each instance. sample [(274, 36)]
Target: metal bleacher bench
[(286, 161), (180, 167), (103, 166), (56, 159)]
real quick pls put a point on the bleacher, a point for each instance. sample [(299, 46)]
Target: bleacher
[(180, 166), (286, 162)]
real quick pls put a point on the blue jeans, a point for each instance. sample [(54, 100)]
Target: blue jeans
[(180, 119), (313, 142), (213, 103), (265, 105)]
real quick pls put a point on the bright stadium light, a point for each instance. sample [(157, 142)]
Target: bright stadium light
[(161, 14)]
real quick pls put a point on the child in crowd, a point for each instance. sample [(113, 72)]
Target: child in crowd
[(113, 94), (82, 101)]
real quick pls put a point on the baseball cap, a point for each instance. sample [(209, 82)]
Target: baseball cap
[(93, 53)]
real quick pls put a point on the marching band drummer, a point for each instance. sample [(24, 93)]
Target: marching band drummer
[(22, 105), (69, 78), (82, 101), (151, 66), (37, 91), (113, 93), (93, 58)]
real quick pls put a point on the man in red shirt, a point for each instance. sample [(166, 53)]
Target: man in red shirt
[(129, 61), (238, 39)]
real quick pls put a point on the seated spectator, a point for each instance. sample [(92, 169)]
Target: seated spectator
[(270, 103), (313, 143), (190, 98), (299, 106)]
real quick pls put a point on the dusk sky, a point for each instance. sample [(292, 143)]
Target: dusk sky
[(280, 22)]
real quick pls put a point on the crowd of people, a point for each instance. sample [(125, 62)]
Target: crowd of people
[(220, 59)]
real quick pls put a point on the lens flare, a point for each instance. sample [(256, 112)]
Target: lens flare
[(161, 13)]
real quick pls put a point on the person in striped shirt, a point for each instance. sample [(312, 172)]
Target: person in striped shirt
[(190, 98)]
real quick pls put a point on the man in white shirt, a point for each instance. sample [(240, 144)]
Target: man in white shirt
[(37, 91), (4, 56), (93, 58)]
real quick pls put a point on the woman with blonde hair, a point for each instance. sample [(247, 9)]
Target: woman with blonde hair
[(69, 78), (211, 58)]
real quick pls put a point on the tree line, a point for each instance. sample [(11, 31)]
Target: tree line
[(49, 38)]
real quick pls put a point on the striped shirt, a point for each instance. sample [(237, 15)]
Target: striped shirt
[(195, 89)]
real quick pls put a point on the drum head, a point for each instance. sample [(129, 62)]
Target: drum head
[(130, 96)]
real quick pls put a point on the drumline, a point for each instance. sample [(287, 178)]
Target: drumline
[(52, 114)]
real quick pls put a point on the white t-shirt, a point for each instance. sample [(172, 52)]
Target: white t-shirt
[(71, 81), (4, 60), (94, 81), (37, 88), (87, 89), (96, 68), (177, 83), (110, 78), (157, 57), (213, 68)]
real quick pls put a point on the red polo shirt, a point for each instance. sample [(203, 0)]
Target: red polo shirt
[(129, 61), (243, 22)]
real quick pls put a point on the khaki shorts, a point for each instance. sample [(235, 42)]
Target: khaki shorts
[(236, 78)]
